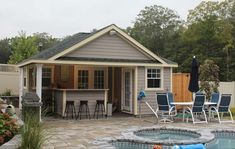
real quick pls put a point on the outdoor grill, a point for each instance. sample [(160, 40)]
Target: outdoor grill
[(31, 100), (31, 104)]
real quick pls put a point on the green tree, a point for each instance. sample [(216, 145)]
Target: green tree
[(210, 35), (44, 40), (155, 26), (209, 77), (5, 50), (22, 48)]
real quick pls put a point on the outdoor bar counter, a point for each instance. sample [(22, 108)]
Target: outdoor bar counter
[(91, 95)]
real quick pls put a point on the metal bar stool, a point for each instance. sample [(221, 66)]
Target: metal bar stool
[(99, 107), (83, 107), (69, 108)]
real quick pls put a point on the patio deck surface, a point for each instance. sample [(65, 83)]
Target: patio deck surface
[(82, 134)]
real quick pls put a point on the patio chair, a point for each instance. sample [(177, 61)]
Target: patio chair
[(170, 98), (215, 98), (197, 108), (221, 108), (164, 109)]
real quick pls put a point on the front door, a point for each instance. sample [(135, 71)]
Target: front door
[(127, 91)]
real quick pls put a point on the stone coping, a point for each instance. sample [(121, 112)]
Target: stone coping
[(205, 136)]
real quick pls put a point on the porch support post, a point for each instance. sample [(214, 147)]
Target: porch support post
[(135, 91), (171, 79), (105, 100), (39, 85), (21, 86)]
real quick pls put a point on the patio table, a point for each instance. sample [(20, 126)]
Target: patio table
[(190, 103)]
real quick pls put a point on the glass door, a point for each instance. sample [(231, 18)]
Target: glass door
[(127, 90)]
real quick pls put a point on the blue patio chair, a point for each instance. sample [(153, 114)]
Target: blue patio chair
[(164, 108), (197, 108), (221, 108), (170, 98), (215, 98)]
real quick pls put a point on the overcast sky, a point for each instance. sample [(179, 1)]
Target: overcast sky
[(66, 17)]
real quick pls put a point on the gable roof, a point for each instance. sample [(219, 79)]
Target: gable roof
[(71, 43)]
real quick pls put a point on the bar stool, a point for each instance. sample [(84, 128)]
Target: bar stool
[(99, 107), (69, 108), (83, 107)]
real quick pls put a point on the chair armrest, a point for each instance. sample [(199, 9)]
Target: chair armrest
[(189, 109)]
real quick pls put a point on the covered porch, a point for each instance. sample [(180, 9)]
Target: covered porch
[(56, 84)]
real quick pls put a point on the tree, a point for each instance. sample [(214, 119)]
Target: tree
[(22, 48), (5, 50), (44, 40), (210, 35), (209, 77), (202, 11), (155, 26)]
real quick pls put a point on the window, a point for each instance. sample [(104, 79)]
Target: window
[(154, 78), (99, 79), (83, 79), (46, 77)]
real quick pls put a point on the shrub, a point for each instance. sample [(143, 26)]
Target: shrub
[(7, 92), (8, 128), (33, 132), (209, 77)]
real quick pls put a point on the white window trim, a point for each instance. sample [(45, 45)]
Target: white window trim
[(162, 79)]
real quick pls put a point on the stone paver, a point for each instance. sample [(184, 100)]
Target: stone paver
[(90, 134), (83, 134)]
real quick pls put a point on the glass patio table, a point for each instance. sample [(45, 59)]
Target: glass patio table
[(190, 103)]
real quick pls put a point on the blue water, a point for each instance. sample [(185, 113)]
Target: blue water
[(222, 142), (166, 135)]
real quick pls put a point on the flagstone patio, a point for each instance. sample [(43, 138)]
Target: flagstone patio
[(93, 134), (82, 134)]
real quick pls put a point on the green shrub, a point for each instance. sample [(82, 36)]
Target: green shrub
[(7, 92), (33, 132), (8, 128)]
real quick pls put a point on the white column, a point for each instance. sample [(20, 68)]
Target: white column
[(39, 84), (21, 86), (136, 91)]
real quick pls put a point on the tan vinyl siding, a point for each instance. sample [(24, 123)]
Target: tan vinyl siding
[(151, 94), (167, 78), (109, 46)]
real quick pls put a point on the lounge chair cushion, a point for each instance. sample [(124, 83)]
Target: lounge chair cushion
[(193, 146)]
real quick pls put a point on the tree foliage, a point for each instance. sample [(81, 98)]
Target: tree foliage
[(5, 50), (22, 48), (209, 33), (14, 50), (155, 27)]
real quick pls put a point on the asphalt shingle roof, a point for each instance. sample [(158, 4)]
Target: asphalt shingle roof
[(61, 46), (75, 39)]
